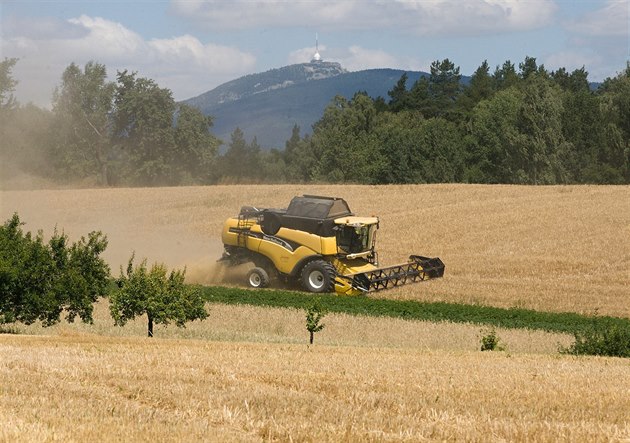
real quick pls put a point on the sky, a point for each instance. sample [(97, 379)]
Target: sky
[(192, 46)]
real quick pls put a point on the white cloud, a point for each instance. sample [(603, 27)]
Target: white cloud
[(571, 60), (417, 17), (183, 64), (358, 58), (599, 40), (610, 20)]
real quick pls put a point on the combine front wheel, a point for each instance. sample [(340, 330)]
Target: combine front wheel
[(258, 278), (318, 276)]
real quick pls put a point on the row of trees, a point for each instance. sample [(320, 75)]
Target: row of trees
[(530, 127), (128, 132), (527, 126)]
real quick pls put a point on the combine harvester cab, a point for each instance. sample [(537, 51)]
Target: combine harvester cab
[(319, 242)]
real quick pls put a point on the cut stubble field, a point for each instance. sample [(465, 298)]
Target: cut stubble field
[(246, 374), (84, 387)]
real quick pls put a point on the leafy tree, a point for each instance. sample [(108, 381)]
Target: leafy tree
[(195, 145), (81, 106), (398, 141), (273, 166), (541, 143), (441, 150), (143, 122), (493, 155), (575, 82), (253, 165), (506, 76), (529, 66), (581, 126), (39, 281), (444, 88), (292, 154), (481, 87), (399, 95), (314, 315), (128, 132), (434, 96), (163, 298), (344, 141), (418, 150), (299, 157), (615, 155), (420, 96), (7, 85), (235, 161)]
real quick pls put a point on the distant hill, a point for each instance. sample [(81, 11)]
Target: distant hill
[(268, 104)]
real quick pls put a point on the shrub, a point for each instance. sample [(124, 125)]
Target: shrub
[(490, 341), (611, 340)]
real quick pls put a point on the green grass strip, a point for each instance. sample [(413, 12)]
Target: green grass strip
[(513, 318)]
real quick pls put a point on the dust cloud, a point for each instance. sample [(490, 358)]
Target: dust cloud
[(141, 222)]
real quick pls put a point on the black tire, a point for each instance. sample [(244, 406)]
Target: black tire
[(260, 261), (258, 278), (270, 223), (318, 276)]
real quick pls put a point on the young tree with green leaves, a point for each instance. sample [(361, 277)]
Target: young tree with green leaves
[(39, 281), (162, 296), (314, 316)]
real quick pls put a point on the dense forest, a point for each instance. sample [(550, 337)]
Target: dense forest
[(525, 125)]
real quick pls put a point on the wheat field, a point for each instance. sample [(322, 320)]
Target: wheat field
[(554, 248), (246, 373), (80, 387)]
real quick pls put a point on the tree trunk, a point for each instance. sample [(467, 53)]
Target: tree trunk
[(311, 332), (150, 327), (101, 159), (104, 175)]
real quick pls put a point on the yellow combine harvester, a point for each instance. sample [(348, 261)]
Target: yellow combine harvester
[(319, 242)]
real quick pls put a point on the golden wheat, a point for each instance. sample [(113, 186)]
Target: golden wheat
[(80, 387), (558, 248), (244, 374)]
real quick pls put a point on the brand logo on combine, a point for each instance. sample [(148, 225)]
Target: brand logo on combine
[(278, 241)]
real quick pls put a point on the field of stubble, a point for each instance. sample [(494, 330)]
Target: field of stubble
[(245, 374)]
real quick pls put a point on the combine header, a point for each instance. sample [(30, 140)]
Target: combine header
[(319, 242)]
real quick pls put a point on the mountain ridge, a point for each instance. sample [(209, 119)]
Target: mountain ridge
[(267, 105)]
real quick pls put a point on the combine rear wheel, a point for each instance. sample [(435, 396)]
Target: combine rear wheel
[(318, 276), (258, 278)]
